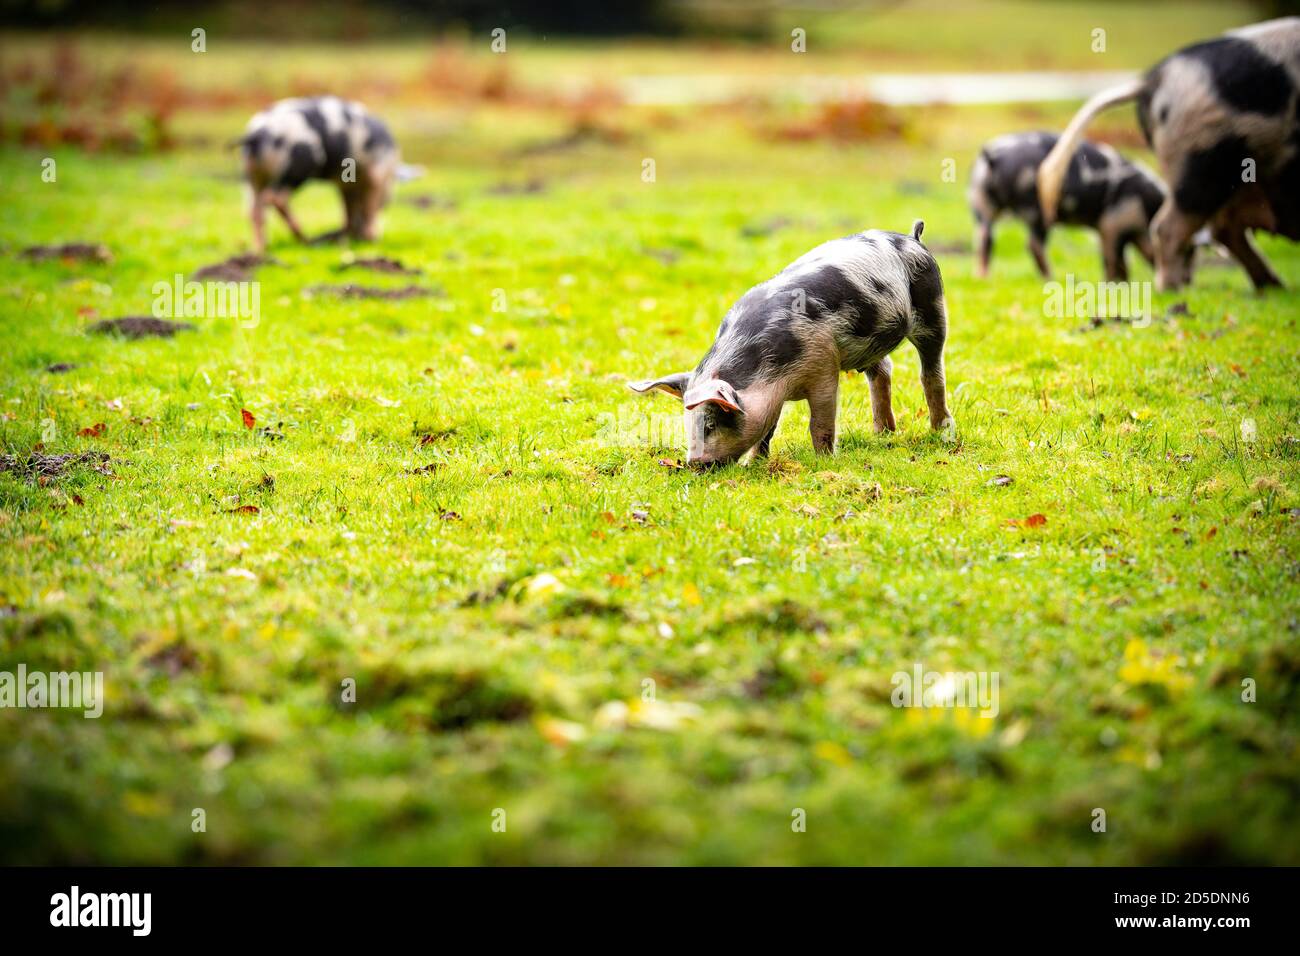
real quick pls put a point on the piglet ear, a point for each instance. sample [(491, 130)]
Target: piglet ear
[(674, 385), (713, 391)]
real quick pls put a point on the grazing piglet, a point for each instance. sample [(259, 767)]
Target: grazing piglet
[(844, 306), (1102, 189), (323, 137)]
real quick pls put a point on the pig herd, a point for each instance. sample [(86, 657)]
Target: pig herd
[(1221, 116)]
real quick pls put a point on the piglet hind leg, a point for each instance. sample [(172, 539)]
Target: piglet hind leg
[(881, 378), (257, 213), (928, 336)]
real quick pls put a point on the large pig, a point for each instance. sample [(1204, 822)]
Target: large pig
[(1102, 190), (844, 306), (1223, 117), (322, 137)]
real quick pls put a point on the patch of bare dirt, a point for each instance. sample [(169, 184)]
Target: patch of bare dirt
[(139, 327), (583, 132)]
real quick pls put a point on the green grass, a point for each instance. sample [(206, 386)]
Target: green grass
[(769, 605)]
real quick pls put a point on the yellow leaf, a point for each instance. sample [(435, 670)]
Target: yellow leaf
[(835, 753)]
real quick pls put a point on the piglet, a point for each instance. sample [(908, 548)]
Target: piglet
[(1103, 190), (320, 137), (844, 306)]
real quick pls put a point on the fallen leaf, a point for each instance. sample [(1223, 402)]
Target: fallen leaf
[(249, 420), (1033, 521), (94, 431), (542, 586), (561, 733)]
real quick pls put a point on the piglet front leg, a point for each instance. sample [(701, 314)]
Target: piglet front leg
[(764, 447), (823, 400)]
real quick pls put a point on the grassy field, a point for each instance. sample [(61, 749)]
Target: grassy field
[(452, 501)]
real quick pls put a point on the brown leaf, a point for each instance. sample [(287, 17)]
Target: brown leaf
[(94, 431), (1033, 521), (244, 510), (247, 416)]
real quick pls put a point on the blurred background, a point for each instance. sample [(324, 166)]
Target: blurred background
[(116, 75)]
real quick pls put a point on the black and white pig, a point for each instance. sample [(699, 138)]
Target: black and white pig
[(1223, 118), (321, 137), (1102, 190), (844, 306)]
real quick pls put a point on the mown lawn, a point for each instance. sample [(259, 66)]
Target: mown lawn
[(445, 515)]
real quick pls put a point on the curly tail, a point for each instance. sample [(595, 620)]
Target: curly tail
[(1051, 174), (918, 227)]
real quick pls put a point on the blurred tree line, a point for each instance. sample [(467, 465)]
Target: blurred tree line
[(350, 18), (359, 19)]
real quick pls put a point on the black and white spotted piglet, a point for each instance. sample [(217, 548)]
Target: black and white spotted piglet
[(844, 306), (1102, 190), (321, 137)]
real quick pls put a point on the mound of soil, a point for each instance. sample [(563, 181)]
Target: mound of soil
[(426, 201), (350, 291), (37, 465), (139, 327), (379, 264), (530, 187), (81, 251), (234, 269)]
